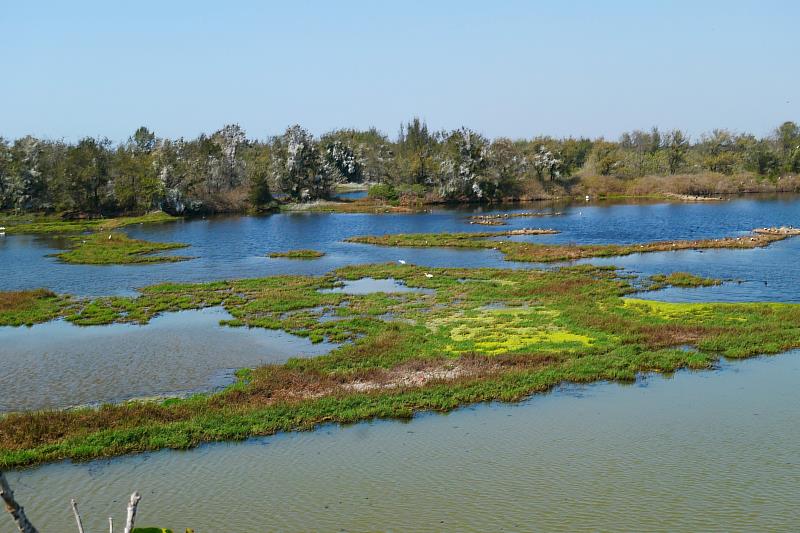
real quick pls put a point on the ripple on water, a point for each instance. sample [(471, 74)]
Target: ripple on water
[(58, 364), (699, 451)]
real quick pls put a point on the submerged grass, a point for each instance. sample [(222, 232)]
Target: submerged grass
[(479, 335), (548, 253)]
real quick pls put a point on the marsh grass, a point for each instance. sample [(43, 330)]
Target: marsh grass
[(115, 248), (481, 335), (682, 280), (297, 254), (548, 253)]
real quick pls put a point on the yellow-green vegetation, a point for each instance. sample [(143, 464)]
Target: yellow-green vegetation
[(548, 253), (681, 279), (297, 254), (475, 335), (116, 248)]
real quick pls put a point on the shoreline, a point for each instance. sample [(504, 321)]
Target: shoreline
[(576, 324)]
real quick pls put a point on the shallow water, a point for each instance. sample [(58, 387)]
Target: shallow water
[(371, 285), (701, 451), (229, 247), (58, 364)]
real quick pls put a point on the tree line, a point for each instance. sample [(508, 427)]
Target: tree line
[(226, 171)]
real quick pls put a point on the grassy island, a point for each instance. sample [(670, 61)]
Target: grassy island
[(472, 335), (548, 253), (97, 241), (297, 254)]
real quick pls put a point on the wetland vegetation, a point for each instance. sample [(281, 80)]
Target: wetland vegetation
[(468, 335), (513, 250), (297, 254)]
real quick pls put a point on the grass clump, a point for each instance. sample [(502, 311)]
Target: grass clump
[(682, 280), (19, 308), (477, 335), (297, 254), (117, 248)]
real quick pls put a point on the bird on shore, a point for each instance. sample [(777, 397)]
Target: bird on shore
[(428, 275), (401, 261)]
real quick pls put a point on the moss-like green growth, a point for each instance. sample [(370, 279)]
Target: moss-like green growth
[(475, 335), (681, 279), (297, 254), (548, 253), (117, 248)]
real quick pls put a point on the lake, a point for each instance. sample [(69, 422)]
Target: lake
[(712, 450)]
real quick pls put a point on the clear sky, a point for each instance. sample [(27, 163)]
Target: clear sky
[(510, 68)]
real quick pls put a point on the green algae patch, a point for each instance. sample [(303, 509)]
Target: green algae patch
[(116, 248), (514, 250), (475, 335), (297, 254)]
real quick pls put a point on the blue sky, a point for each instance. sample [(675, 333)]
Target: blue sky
[(505, 68)]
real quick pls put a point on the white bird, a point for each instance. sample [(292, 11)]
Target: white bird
[(401, 261), (109, 237), (428, 275)]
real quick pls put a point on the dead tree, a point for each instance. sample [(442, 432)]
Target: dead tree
[(21, 521), (15, 510)]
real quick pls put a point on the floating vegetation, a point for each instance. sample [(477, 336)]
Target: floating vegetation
[(473, 335)]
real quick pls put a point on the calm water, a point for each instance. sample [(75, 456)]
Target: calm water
[(700, 451), (60, 365), (708, 451), (229, 247)]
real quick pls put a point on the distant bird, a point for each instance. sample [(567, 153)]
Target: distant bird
[(401, 261), (428, 275), (109, 236)]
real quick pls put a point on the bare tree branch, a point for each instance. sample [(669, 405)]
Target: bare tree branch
[(132, 505), (15, 510), (77, 515)]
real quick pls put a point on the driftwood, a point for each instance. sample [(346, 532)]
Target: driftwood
[(24, 526), (15, 510), (77, 515), (132, 505)]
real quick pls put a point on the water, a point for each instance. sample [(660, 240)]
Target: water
[(702, 451), (229, 247), (370, 285), (710, 451), (58, 364)]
